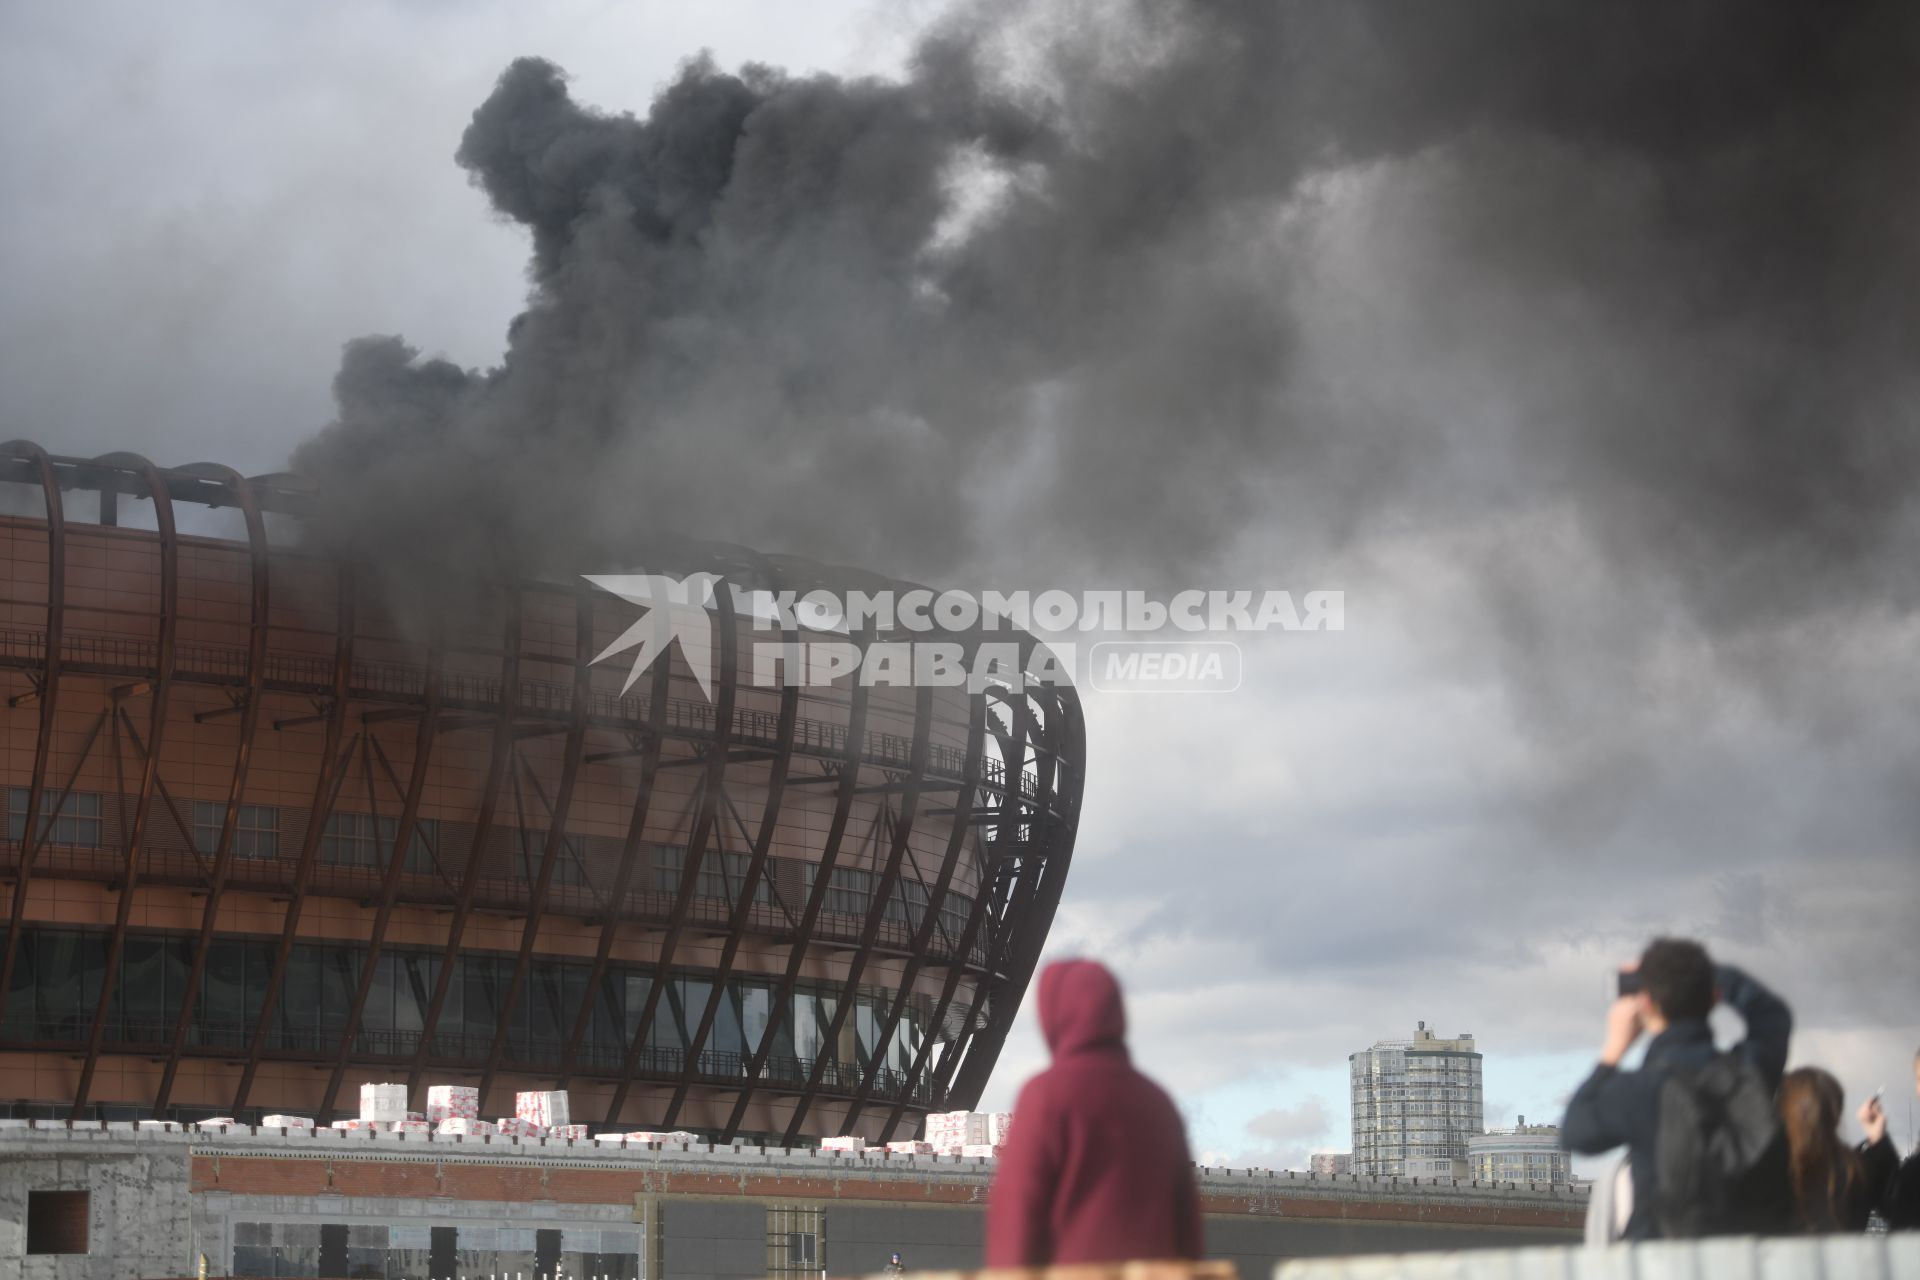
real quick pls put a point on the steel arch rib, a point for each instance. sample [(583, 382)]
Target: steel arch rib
[(424, 738), (969, 935), (756, 871), (1021, 738), (257, 623), (779, 1002), (1065, 736), (877, 910), (501, 755), (135, 833), (629, 855), (936, 901), (701, 836), (49, 699), (326, 789), (556, 829)]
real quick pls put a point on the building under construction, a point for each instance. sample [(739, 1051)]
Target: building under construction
[(263, 844)]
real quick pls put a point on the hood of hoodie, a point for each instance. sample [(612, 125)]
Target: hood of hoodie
[(1081, 1008)]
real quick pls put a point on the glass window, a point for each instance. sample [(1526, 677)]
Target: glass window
[(721, 874), (849, 890), (357, 840), (256, 833), (77, 822), (533, 848)]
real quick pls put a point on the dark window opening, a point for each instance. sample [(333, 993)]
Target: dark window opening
[(57, 1221)]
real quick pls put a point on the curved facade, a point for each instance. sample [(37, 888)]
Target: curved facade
[(263, 845)]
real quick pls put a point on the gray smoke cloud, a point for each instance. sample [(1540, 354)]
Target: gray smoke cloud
[(1065, 294)]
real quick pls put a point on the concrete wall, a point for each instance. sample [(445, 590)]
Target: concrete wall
[(138, 1212), (1812, 1258), (860, 1239), (712, 1239), (164, 1197), (1257, 1245)]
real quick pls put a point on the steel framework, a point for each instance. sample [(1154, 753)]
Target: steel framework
[(1011, 795)]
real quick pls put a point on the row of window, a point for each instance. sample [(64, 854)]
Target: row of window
[(350, 839), (59, 972), (361, 840)]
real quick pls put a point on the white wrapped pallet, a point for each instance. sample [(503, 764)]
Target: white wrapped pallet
[(910, 1148), (959, 1129), (546, 1109), (515, 1127), (984, 1150), (999, 1125), (286, 1122), (387, 1102), (464, 1127), (452, 1101), (843, 1143), (572, 1132), (411, 1125)]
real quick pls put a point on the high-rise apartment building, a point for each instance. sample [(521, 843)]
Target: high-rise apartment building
[(1416, 1103)]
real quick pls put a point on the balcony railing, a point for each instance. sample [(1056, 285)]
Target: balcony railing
[(294, 1041), (399, 682), (491, 893)]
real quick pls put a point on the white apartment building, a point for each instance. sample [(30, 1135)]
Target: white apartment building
[(1416, 1104), (1521, 1154)]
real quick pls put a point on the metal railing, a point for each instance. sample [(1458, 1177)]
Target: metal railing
[(388, 681), (321, 1038), (491, 893)]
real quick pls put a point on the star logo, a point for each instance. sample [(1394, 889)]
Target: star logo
[(676, 610)]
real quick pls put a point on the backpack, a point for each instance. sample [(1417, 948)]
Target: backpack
[(1720, 1153)]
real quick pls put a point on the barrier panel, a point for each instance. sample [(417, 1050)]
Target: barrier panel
[(1087, 1271), (1856, 1257)]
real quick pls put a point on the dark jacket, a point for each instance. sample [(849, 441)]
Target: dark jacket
[(1096, 1167), (1894, 1184), (1616, 1108)]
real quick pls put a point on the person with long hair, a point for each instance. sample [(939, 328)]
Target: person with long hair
[(1831, 1190)]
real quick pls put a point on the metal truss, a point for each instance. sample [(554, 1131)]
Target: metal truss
[(1013, 815)]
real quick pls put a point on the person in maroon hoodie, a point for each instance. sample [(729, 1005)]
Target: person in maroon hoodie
[(1095, 1168)]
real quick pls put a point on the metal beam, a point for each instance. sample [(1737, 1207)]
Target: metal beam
[(1063, 737), (756, 871), (425, 735), (497, 764), (326, 789), (30, 841), (876, 912), (556, 827), (629, 856), (969, 935), (779, 1001), (713, 788), (248, 709), (936, 902), (135, 834)]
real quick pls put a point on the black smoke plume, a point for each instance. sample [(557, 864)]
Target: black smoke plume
[(1078, 292)]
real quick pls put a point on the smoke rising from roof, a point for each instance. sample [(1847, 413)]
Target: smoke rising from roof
[(1106, 285)]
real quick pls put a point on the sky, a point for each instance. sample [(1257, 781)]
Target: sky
[(1615, 485)]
